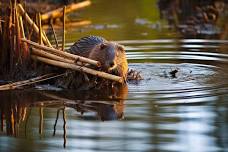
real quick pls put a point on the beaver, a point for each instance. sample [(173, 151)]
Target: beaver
[(113, 60), (111, 55)]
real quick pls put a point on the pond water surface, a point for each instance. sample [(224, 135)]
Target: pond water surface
[(187, 111)]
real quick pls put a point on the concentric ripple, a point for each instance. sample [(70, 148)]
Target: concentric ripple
[(180, 101)]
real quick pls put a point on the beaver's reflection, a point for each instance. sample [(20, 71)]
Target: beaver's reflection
[(104, 112), (16, 107)]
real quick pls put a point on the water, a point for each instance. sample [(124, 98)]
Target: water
[(187, 112)]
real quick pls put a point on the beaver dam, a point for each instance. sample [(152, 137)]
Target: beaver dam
[(69, 75), (28, 50)]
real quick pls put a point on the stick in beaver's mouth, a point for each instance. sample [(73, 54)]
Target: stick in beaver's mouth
[(79, 68)]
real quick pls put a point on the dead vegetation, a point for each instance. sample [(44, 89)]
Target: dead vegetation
[(24, 42), (27, 56)]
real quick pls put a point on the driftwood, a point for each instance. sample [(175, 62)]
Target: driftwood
[(69, 24), (33, 24), (63, 54), (79, 68), (58, 12)]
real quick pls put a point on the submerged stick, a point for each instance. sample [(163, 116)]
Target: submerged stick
[(61, 53), (58, 12), (79, 68), (33, 24)]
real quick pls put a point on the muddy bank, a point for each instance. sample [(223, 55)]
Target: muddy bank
[(195, 18)]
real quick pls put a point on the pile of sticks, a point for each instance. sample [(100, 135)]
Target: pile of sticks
[(46, 53), (67, 60)]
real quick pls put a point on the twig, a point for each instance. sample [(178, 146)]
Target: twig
[(40, 29), (61, 53), (18, 51), (25, 81), (28, 82), (64, 18), (33, 24), (24, 45), (55, 37)]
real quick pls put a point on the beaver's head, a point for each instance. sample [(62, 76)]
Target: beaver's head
[(112, 58)]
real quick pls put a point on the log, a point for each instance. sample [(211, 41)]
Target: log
[(33, 24), (62, 53), (72, 7), (79, 68), (69, 24)]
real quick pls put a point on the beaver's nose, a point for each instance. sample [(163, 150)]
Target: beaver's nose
[(111, 64)]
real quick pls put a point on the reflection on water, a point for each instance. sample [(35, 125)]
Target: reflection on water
[(188, 112), (16, 112)]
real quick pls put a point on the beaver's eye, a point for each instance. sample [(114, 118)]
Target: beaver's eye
[(121, 48), (102, 46)]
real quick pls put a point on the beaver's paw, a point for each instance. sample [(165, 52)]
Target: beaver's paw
[(114, 71)]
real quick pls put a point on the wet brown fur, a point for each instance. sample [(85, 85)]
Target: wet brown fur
[(99, 49)]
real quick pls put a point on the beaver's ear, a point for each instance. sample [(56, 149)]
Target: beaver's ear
[(102, 46), (121, 48)]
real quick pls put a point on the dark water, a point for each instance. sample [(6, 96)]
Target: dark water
[(187, 111)]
